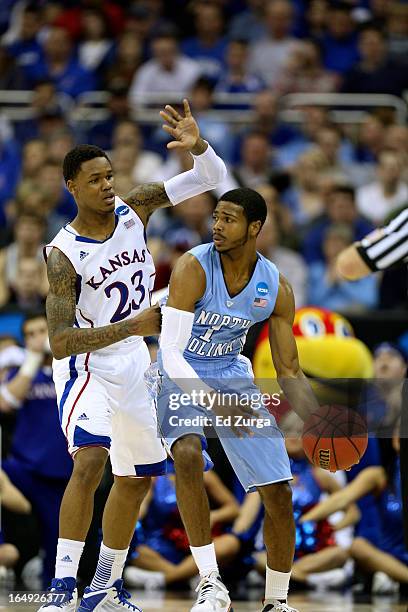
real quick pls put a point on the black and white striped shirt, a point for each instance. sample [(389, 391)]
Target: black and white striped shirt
[(387, 246)]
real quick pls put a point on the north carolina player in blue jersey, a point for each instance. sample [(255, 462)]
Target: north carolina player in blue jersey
[(217, 292), (101, 274)]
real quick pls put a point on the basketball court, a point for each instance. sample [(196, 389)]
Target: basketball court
[(322, 602)]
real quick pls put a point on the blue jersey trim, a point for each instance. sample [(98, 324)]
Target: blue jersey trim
[(73, 375), (84, 438), (152, 469), (79, 238)]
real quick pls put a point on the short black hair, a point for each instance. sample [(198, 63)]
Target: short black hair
[(252, 202), (31, 316), (77, 156), (345, 190)]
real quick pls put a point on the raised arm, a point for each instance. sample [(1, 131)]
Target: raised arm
[(208, 170), (65, 340), (285, 357)]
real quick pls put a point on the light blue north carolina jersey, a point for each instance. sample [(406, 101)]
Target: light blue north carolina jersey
[(221, 322)]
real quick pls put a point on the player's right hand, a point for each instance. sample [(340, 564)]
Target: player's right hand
[(147, 323), (237, 417)]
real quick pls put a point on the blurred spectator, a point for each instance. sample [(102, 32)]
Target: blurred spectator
[(237, 78), (303, 196), (396, 139), (34, 156), (11, 75), (256, 166), (96, 47), (208, 46), (339, 44), (289, 263), (268, 55), (376, 72), (178, 241), (387, 193), (126, 60), (317, 16), (327, 289), (39, 465), (32, 199), (60, 65), (304, 72), (26, 48), (370, 140), (50, 181), (26, 292), (397, 30), (250, 24), (58, 145), (28, 242), (338, 151), (340, 209), (211, 127), (101, 133), (71, 18), (282, 216), (168, 72), (14, 501), (10, 162), (145, 163), (195, 214)]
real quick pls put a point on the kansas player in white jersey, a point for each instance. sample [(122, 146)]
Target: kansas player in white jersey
[(217, 292), (101, 275)]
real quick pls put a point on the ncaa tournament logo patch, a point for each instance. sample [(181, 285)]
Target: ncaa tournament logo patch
[(122, 210), (262, 289)]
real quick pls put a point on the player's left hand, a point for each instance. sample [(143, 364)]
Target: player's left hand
[(184, 130)]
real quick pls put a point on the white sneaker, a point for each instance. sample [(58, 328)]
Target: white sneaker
[(110, 599), (137, 578), (63, 596), (279, 607), (383, 584), (213, 595)]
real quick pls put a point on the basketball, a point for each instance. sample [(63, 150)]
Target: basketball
[(335, 438)]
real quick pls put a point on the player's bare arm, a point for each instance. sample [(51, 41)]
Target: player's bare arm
[(66, 340), (285, 357), (144, 199)]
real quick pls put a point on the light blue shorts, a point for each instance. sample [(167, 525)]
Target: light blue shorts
[(257, 461)]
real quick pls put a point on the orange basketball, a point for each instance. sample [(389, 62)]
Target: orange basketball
[(335, 438)]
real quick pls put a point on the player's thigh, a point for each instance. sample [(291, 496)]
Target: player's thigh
[(137, 449), (86, 404)]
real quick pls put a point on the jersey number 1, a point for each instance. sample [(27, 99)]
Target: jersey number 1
[(124, 308)]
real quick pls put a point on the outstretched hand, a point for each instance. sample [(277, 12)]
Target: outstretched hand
[(184, 130)]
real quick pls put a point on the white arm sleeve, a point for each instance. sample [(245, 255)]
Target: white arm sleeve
[(209, 170), (176, 332)]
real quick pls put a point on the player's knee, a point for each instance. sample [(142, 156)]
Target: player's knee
[(277, 498), (359, 550), (9, 555), (89, 464), (188, 456), (137, 487)]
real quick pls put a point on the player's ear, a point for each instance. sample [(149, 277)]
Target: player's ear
[(71, 187), (255, 228)]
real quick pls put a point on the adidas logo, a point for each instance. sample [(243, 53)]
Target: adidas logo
[(67, 559), (83, 417), (82, 255)]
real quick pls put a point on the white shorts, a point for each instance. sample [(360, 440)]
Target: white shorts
[(103, 401)]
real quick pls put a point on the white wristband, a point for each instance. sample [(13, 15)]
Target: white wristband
[(31, 364), (10, 399), (209, 170)]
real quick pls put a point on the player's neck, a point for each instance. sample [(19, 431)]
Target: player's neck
[(94, 225), (239, 261)]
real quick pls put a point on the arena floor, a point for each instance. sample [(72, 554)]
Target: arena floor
[(327, 602)]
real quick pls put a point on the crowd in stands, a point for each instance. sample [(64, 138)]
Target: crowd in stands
[(326, 185)]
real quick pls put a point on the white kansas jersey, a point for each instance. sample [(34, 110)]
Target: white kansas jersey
[(115, 277)]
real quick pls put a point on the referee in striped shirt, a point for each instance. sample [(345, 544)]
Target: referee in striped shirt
[(382, 249)]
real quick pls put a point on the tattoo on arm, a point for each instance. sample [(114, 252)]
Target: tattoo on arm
[(66, 340), (144, 199)]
